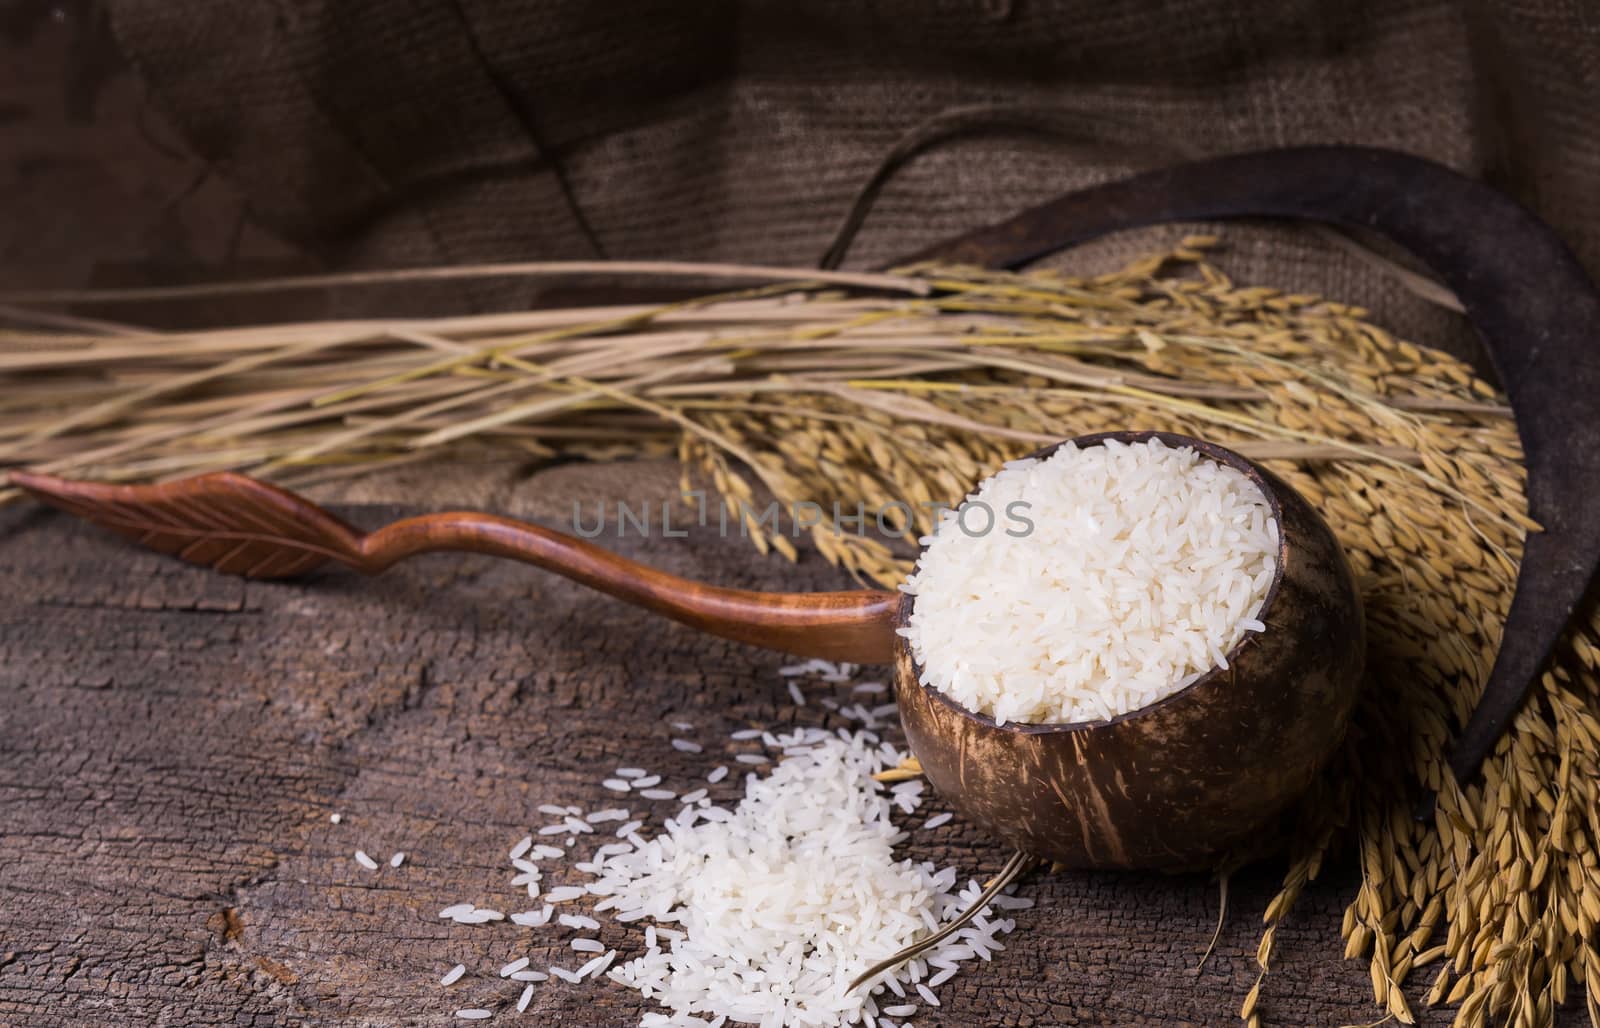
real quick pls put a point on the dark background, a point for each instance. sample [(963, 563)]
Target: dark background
[(172, 743), (164, 140)]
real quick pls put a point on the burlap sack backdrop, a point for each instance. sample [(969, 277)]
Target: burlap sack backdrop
[(394, 132)]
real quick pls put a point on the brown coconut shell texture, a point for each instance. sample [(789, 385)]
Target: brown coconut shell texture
[(1201, 773)]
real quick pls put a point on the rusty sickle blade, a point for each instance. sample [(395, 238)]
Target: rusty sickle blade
[(1533, 305)]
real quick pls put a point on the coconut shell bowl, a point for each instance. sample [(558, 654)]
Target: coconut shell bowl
[(1172, 785)]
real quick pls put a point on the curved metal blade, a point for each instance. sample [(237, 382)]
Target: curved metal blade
[(1531, 302)]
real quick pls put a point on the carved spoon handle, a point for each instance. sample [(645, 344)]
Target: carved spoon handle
[(240, 526)]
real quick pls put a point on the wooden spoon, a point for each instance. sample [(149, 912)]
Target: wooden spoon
[(241, 526), (1168, 785)]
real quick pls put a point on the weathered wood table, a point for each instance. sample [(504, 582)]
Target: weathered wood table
[(173, 743)]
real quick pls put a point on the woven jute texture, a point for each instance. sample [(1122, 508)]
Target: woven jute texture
[(395, 132)]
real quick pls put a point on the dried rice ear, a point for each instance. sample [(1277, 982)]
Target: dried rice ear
[(1413, 460)]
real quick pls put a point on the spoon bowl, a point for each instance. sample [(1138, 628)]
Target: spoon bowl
[(1194, 775)]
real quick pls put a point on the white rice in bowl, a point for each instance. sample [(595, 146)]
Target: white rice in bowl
[(1144, 565)]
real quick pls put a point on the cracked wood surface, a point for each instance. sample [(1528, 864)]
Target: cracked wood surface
[(174, 741)]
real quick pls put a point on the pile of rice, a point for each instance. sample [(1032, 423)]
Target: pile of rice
[(761, 911), (779, 903), (1144, 565)]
